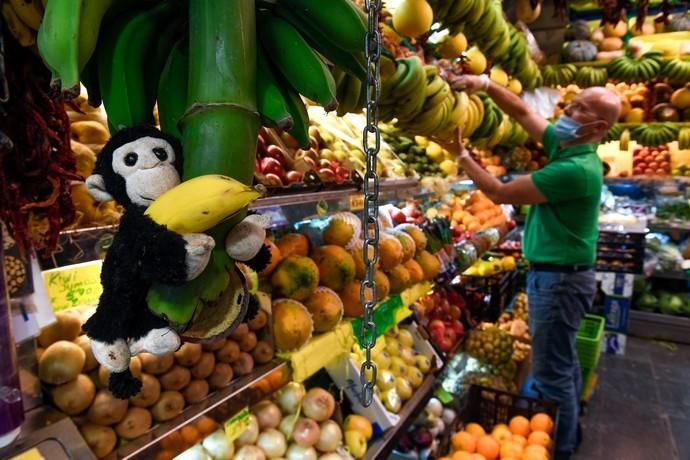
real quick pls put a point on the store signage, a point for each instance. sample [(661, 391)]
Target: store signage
[(356, 202), (236, 425), (74, 285)]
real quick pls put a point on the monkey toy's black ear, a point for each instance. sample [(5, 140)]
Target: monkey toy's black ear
[(95, 184)]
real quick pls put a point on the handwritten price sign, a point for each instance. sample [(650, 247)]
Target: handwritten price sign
[(74, 285)]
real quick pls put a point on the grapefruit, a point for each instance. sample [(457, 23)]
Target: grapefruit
[(295, 277), (336, 266), (326, 309), (293, 244)]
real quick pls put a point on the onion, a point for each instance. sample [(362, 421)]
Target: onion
[(331, 456), (318, 404), (287, 425), (250, 435), (448, 416), (268, 415), (218, 446), (291, 397), (273, 443), (331, 436), (307, 432), (250, 453), (297, 452), (435, 407)]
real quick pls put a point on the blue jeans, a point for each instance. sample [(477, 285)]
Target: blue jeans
[(557, 303)]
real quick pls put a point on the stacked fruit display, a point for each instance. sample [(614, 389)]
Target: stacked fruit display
[(651, 161), (77, 385), (400, 367), (635, 69), (442, 311), (422, 438), (602, 44), (295, 424), (522, 438), (425, 157), (472, 211), (518, 330), (493, 348), (493, 265)]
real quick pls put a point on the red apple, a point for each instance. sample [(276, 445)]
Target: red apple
[(293, 176), (272, 166), (437, 325), (398, 216), (457, 327), (326, 174), (273, 180)]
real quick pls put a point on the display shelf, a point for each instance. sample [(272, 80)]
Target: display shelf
[(676, 275), (221, 405), (665, 226), (384, 445), (658, 326)]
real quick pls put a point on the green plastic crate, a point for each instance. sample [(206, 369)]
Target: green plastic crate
[(589, 342)]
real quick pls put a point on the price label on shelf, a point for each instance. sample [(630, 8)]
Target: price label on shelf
[(357, 202), (74, 285), (236, 425)]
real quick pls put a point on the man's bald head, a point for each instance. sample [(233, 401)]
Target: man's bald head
[(597, 109), (603, 102)]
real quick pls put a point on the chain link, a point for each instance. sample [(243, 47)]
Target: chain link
[(367, 293)]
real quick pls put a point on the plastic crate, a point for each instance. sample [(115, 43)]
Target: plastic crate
[(589, 341), (489, 407), (498, 290)]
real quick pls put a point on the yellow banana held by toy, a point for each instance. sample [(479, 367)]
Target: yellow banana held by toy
[(201, 203)]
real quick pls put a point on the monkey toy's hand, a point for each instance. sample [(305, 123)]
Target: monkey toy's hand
[(199, 247)]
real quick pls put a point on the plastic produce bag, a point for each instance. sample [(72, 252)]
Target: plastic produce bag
[(542, 100)]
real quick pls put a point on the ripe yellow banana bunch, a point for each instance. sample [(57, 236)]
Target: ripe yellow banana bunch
[(201, 203)]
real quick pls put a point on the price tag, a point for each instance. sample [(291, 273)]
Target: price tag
[(357, 202), (31, 454), (236, 425), (74, 285)]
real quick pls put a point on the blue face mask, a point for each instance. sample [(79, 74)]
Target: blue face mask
[(566, 128)]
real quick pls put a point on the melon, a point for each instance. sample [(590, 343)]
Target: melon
[(336, 266), (429, 263), (292, 324), (408, 245), (390, 252), (296, 277), (416, 233), (383, 285), (399, 278), (415, 270), (276, 257), (293, 244), (326, 309)]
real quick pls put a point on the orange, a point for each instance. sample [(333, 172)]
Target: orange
[(464, 441), (519, 440), (541, 422), (488, 447), (461, 455), (540, 438), (336, 266), (510, 449), (190, 434), (478, 457), (535, 452), (475, 430), (519, 425), (206, 425), (501, 433), (293, 244)]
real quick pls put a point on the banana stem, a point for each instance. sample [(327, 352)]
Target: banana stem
[(221, 125)]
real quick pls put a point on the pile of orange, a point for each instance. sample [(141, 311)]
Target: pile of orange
[(521, 439)]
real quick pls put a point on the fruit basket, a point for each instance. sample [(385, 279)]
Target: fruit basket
[(489, 407), (588, 345)]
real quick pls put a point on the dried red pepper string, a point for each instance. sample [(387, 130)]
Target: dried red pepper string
[(37, 166)]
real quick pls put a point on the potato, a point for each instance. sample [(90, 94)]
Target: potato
[(66, 327), (188, 354), (259, 321), (75, 396), (152, 364), (61, 362), (168, 406), (85, 344), (248, 342), (134, 368), (263, 352), (107, 409), (244, 365), (196, 391), (204, 367), (214, 345), (100, 439), (150, 392), (176, 378), (136, 422), (229, 353), (221, 376), (239, 332)]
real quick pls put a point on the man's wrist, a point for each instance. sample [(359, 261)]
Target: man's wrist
[(486, 81), (464, 155)]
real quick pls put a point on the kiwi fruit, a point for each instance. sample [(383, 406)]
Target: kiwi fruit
[(152, 364), (100, 439), (61, 362), (67, 326), (221, 376), (204, 367), (85, 344), (263, 352), (196, 391), (188, 354), (168, 406), (244, 365), (74, 396), (176, 378), (239, 332), (214, 345), (136, 422), (107, 409), (229, 353), (248, 342), (149, 393), (258, 321)]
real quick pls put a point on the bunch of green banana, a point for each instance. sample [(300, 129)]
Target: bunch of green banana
[(684, 138), (676, 71), (493, 118), (403, 94), (23, 19), (350, 92), (614, 133), (629, 69), (517, 61), (559, 75), (655, 134), (591, 76), (514, 135)]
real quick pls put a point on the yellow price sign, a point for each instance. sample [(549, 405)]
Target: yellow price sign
[(74, 285), (236, 425), (356, 202)]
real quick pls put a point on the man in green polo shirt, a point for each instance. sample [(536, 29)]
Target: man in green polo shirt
[(560, 233)]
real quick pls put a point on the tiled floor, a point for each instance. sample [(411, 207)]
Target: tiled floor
[(641, 407)]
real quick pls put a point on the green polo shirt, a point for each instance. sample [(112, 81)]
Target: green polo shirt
[(564, 230)]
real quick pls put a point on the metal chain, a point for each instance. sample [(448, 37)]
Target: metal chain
[(367, 293)]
